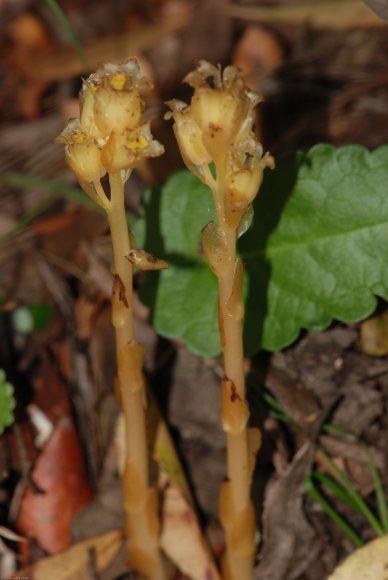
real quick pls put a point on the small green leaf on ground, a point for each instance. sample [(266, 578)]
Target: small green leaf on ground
[(315, 251), (7, 402), (26, 319)]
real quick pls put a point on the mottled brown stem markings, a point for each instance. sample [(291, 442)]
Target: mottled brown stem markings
[(141, 517)]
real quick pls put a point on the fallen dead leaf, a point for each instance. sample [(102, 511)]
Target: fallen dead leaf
[(60, 474), (374, 335), (288, 537), (327, 14), (367, 563), (182, 538), (65, 63), (258, 52), (73, 563)]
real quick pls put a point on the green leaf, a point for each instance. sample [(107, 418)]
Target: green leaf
[(26, 319), (330, 511), (7, 402), (184, 297), (315, 251), (336, 489), (362, 506), (68, 28), (319, 243), (55, 188), (379, 490)]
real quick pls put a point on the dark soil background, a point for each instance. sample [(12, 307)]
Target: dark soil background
[(322, 67)]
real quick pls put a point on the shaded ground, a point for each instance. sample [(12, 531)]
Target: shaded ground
[(324, 78)]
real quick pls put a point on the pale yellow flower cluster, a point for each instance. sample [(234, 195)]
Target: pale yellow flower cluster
[(218, 126), (109, 135)]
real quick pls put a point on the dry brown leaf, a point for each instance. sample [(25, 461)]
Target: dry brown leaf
[(182, 539), (367, 563), (86, 314), (374, 335), (65, 63), (258, 49), (181, 536), (331, 14), (73, 563), (288, 537), (60, 475)]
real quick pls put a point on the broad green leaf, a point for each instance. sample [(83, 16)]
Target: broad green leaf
[(184, 297), (7, 402), (315, 251)]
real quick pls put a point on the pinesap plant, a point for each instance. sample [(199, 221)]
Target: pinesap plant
[(111, 138), (217, 128), (313, 251)]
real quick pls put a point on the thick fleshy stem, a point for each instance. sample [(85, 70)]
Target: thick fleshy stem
[(236, 507), (141, 509)]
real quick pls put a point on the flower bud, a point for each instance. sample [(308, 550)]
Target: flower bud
[(87, 112), (221, 107), (189, 137), (82, 153), (219, 114), (117, 110), (243, 177), (111, 99), (128, 149)]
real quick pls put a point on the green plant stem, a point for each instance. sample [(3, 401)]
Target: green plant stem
[(140, 500)]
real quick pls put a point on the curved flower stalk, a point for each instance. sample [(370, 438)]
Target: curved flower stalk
[(218, 127), (109, 138)]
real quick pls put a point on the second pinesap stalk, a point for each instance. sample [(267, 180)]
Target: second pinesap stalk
[(109, 138), (141, 524), (217, 127)]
